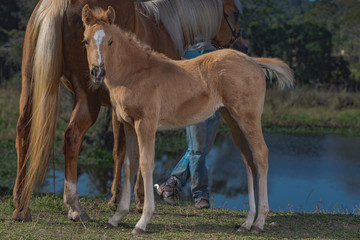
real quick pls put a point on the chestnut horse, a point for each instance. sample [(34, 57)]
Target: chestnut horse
[(151, 92), (53, 52)]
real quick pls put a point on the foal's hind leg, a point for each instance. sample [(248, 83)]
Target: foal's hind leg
[(82, 118), (118, 156), (250, 125), (246, 157), (129, 166)]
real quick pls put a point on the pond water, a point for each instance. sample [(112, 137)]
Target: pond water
[(306, 174)]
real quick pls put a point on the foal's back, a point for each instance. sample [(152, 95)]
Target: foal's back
[(192, 90), (225, 69)]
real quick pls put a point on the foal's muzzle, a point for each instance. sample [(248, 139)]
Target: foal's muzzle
[(97, 74)]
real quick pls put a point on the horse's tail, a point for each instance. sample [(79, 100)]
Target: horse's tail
[(274, 66), (46, 42)]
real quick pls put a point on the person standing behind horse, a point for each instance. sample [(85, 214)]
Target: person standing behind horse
[(200, 138)]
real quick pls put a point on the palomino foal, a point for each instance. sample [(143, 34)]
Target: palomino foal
[(150, 92)]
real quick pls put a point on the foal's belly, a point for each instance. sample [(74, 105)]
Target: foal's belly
[(188, 118)]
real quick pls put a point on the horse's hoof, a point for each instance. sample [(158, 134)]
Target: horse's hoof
[(77, 216), (113, 204), (137, 231), (243, 229), (22, 216), (109, 226), (139, 207), (256, 229), (84, 217)]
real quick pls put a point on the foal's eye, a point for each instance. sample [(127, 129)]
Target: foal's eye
[(86, 42), (109, 43)]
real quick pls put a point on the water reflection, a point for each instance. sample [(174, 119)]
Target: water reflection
[(306, 173)]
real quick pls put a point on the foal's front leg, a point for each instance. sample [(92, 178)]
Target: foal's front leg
[(118, 156), (129, 166), (146, 131)]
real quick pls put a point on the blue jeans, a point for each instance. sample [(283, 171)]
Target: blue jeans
[(200, 138)]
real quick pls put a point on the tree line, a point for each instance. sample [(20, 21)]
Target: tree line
[(320, 39)]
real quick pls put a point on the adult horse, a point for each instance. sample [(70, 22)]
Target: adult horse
[(53, 52), (159, 93)]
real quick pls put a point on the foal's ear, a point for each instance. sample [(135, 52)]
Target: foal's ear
[(87, 15), (110, 15)]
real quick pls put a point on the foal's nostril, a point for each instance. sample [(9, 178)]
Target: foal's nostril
[(93, 72)]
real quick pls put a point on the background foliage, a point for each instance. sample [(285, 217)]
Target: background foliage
[(319, 39)]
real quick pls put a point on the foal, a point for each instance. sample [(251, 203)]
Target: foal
[(150, 92)]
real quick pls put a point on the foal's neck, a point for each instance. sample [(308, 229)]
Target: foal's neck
[(128, 57)]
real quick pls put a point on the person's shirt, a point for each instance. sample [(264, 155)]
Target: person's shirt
[(197, 49)]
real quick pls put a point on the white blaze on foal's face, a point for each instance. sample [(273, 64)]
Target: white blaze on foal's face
[(98, 37)]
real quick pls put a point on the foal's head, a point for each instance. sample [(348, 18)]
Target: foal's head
[(98, 37)]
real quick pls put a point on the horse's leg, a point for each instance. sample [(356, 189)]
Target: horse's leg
[(118, 156), (250, 125), (129, 166), (82, 118), (246, 157), (146, 131), (139, 192), (22, 145)]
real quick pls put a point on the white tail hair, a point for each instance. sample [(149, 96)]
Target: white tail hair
[(275, 67)]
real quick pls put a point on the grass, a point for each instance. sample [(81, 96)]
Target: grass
[(49, 221), (311, 111)]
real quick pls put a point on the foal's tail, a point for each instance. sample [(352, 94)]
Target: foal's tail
[(274, 66), (46, 43)]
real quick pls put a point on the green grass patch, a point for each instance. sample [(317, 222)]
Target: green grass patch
[(49, 221)]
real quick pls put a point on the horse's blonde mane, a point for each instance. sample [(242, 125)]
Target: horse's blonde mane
[(184, 20), (133, 40)]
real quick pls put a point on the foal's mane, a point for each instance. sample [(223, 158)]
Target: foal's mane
[(139, 44), (185, 19)]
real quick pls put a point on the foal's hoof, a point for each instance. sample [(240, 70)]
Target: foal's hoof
[(23, 216), (137, 231), (256, 230), (77, 216)]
